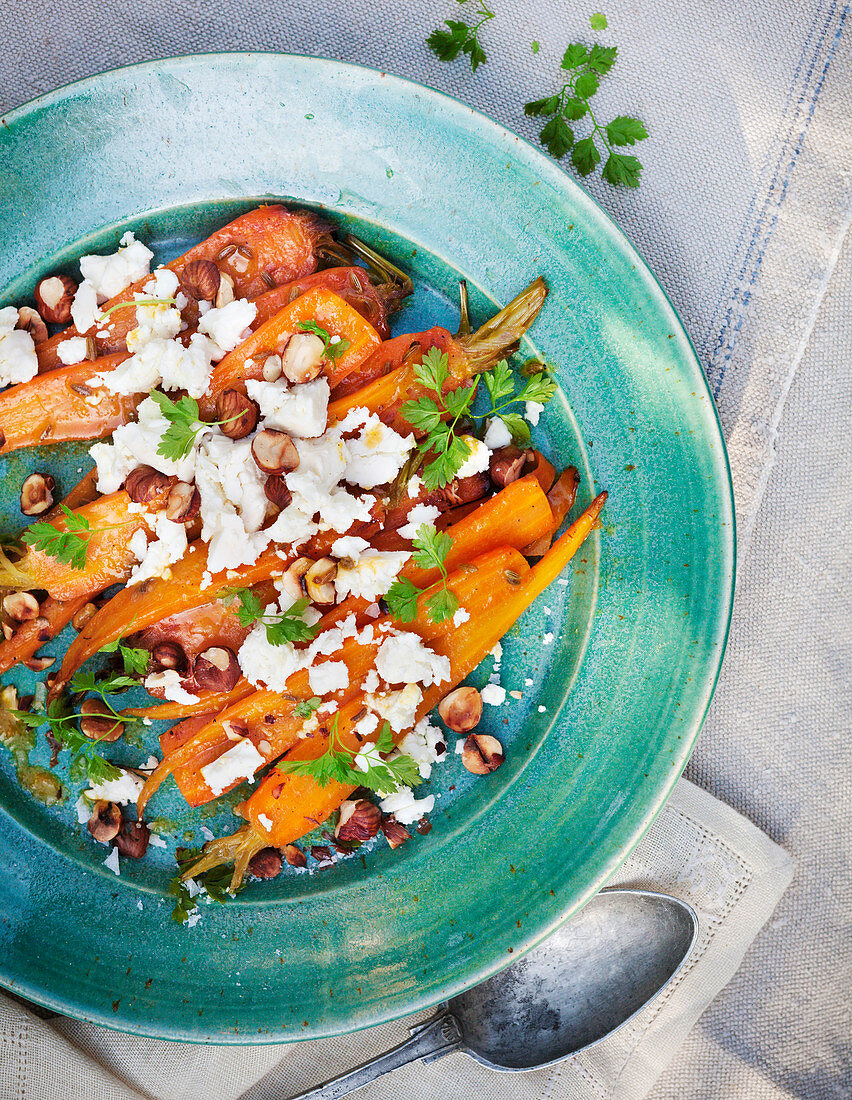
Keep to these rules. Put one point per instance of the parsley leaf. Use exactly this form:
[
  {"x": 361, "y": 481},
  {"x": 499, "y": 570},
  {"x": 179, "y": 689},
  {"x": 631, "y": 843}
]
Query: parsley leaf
[
  {"x": 585, "y": 67},
  {"x": 426, "y": 415},
  {"x": 333, "y": 346},
  {"x": 431, "y": 550},
  {"x": 433, "y": 370},
  {"x": 67, "y": 546},
  {"x": 289, "y": 626},
  {"x": 135, "y": 661},
  {"x": 401, "y": 599},
  {"x": 184, "y": 425},
  {"x": 459, "y": 38},
  {"x": 86, "y": 761},
  {"x": 215, "y": 883},
  {"x": 597, "y": 21},
  {"x": 306, "y": 707}
]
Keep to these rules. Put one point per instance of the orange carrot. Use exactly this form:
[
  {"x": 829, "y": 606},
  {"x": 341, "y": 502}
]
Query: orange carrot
[
  {"x": 408, "y": 349},
  {"x": 350, "y": 283},
  {"x": 53, "y": 615},
  {"x": 561, "y": 499}
]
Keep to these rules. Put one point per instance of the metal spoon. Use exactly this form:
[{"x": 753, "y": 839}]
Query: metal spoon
[{"x": 578, "y": 986}]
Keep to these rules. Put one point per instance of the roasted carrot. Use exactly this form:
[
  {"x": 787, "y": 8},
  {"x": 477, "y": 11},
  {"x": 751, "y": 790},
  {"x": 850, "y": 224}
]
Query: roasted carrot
[
  {"x": 374, "y": 303},
  {"x": 400, "y": 351},
  {"x": 53, "y": 615},
  {"x": 561, "y": 499},
  {"x": 261, "y": 248}
]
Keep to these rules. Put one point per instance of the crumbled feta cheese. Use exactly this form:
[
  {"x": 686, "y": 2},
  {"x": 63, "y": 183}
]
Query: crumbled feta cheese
[
  {"x": 73, "y": 350},
  {"x": 377, "y": 454},
  {"x": 169, "y": 682},
  {"x": 461, "y": 616},
  {"x": 528, "y": 682},
  {"x": 269, "y": 665},
  {"x": 413, "y": 487},
  {"x": 163, "y": 362},
  {"x": 350, "y": 546},
  {"x": 497, "y": 652},
  {"x": 460, "y": 746},
  {"x": 301, "y": 411},
  {"x": 265, "y": 821},
  {"x": 233, "y": 502},
  {"x": 327, "y": 677},
  {"x": 533, "y": 411},
  {"x": 477, "y": 460},
  {"x": 18, "y": 362},
  {"x": 494, "y": 695},
  {"x": 84, "y": 308},
  {"x": 371, "y": 681},
  {"x": 405, "y": 807},
  {"x": 419, "y": 514},
  {"x": 158, "y": 842},
  {"x": 111, "y": 861},
  {"x": 497, "y": 435},
  {"x": 239, "y": 762},
  {"x": 547, "y": 611},
  {"x": 122, "y": 790},
  {"x": 227, "y": 325},
  {"x": 403, "y": 658},
  {"x": 136, "y": 444},
  {"x": 154, "y": 322},
  {"x": 163, "y": 283},
  {"x": 167, "y": 547},
  {"x": 109, "y": 275},
  {"x": 547, "y": 639},
  {"x": 398, "y": 708},
  {"x": 541, "y": 710},
  {"x": 292, "y": 526},
  {"x": 84, "y": 810},
  {"x": 371, "y": 575},
  {"x": 425, "y": 744}
]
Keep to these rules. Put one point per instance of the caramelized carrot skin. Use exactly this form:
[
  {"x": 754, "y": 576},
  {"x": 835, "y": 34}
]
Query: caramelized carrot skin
[
  {"x": 53, "y": 616},
  {"x": 349, "y": 283}
]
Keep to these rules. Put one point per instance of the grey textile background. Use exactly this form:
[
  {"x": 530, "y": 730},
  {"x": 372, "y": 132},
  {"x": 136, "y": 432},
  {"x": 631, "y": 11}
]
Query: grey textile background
[{"x": 742, "y": 214}]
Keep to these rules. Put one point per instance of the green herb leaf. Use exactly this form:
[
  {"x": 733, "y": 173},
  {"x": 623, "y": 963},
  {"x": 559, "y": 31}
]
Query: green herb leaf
[
  {"x": 442, "y": 605},
  {"x": 602, "y": 58},
  {"x": 333, "y": 347},
  {"x": 586, "y": 84},
  {"x": 537, "y": 107},
  {"x": 625, "y": 131},
  {"x": 401, "y": 600},
  {"x": 622, "y": 170},
  {"x": 520, "y": 429},
  {"x": 423, "y": 414},
  {"x": 459, "y": 38},
  {"x": 289, "y": 626},
  {"x": 184, "y": 425},
  {"x": 597, "y": 21},
  {"x": 534, "y": 46},
  {"x": 67, "y": 546},
  {"x": 431, "y": 547},
  {"x": 557, "y": 137},
  {"x": 499, "y": 381},
  {"x": 433, "y": 371},
  {"x": 575, "y": 56},
  {"x": 539, "y": 388},
  {"x": 306, "y": 707}
]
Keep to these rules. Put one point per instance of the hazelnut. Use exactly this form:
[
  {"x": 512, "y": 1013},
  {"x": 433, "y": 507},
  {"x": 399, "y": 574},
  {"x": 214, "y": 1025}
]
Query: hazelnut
[
  {"x": 461, "y": 709},
  {"x": 170, "y": 655},
  {"x": 200, "y": 280},
  {"x": 30, "y": 321},
  {"x": 145, "y": 485},
  {"x": 183, "y": 503},
  {"x": 482, "y": 753},
  {"x": 395, "y": 834},
  {"x": 39, "y": 664},
  {"x": 236, "y": 413},
  {"x": 225, "y": 293},
  {"x": 274, "y": 452},
  {"x": 105, "y": 821},
  {"x": 319, "y": 581},
  {"x": 322, "y": 855},
  {"x": 276, "y": 491},
  {"x": 265, "y": 864},
  {"x": 293, "y": 581},
  {"x": 358, "y": 820},
  {"x": 463, "y": 490},
  {"x": 216, "y": 669},
  {"x": 37, "y": 494},
  {"x": 45, "y": 630},
  {"x": 54, "y": 297},
  {"x": 272, "y": 368},
  {"x": 295, "y": 856},
  {"x": 21, "y": 607},
  {"x": 132, "y": 839},
  {"x": 8, "y": 631},
  {"x": 98, "y": 723},
  {"x": 84, "y": 616},
  {"x": 507, "y": 465},
  {"x": 301, "y": 360}
]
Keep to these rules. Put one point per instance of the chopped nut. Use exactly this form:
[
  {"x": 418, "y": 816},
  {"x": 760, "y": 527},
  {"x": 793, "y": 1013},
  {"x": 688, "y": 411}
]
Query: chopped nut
[
  {"x": 265, "y": 864},
  {"x": 236, "y": 413},
  {"x": 145, "y": 485},
  {"x": 319, "y": 581},
  {"x": 184, "y": 502},
  {"x": 301, "y": 360},
  {"x": 225, "y": 293},
  {"x": 358, "y": 820},
  {"x": 170, "y": 655},
  {"x": 105, "y": 821},
  {"x": 464, "y": 490},
  {"x": 132, "y": 839},
  {"x": 30, "y": 321},
  {"x": 295, "y": 856},
  {"x": 461, "y": 709},
  {"x": 395, "y": 834},
  {"x": 507, "y": 465},
  {"x": 216, "y": 669},
  {"x": 274, "y": 452},
  {"x": 98, "y": 723},
  {"x": 45, "y": 630},
  {"x": 37, "y": 494},
  {"x": 39, "y": 664},
  {"x": 200, "y": 280},
  {"x": 21, "y": 607},
  {"x": 54, "y": 297},
  {"x": 293, "y": 582},
  {"x": 482, "y": 753},
  {"x": 84, "y": 616},
  {"x": 272, "y": 368},
  {"x": 277, "y": 492},
  {"x": 322, "y": 855}
]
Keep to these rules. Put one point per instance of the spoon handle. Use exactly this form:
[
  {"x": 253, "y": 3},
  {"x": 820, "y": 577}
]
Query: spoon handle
[{"x": 438, "y": 1036}]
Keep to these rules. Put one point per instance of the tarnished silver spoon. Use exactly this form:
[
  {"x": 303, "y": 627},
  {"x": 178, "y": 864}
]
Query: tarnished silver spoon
[{"x": 578, "y": 986}]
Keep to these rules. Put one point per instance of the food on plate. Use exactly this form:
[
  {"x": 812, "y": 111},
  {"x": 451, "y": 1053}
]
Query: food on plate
[{"x": 301, "y": 535}]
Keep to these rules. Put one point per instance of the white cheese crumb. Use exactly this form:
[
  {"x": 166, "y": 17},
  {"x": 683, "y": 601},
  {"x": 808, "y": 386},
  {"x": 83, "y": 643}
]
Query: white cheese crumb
[
  {"x": 109, "y": 275},
  {"x": 167, "y": 547},
  {"x": 327, "y": 677},
  {"x": 122, "y": 790},
  {"x": 426, "y": 745},
  {"x": 415, "y": 484},
  {"x": 226, "y": 326},
  {"x": 547, "y": 639},
  {"x": 241, "y": 761},
  {"x": 169, "y": 682},
  {"x": 497, "y": 652},
  {"x": 406, "y": 808},
  {"x": 111, "y": 861},
  {"x": 528, "y": 682},
  {"x": 371, "y": 682},
  {"x": 533, "y": 412},
  {"x": 371, "y": 575},
  {"x": 541, "y": 710},
  {"x": 377, "y": 454},
  {"x": 84, "y": 810},
  {"x": 350, "y": 546},
  {"x": 419, "y": 514},
  {"x": 403, "y": 658},
  {"x": 301, "y": 411},
  {"x": 18, "y": 362},
  {"x": 461, "y": 616},
  {"x": 478, "y": 459},
  {"x": 73, "y": 350},
  {"x": 157, "y": 841},
  {"x": 547, "y": 611},
  {"x": 398, "y": 708},
  {"x": 494, "y": 695},
  {"x": 84, "y": 309},
  {"x": 497, "y": 435},
  {"x": 265, "y": 821}
]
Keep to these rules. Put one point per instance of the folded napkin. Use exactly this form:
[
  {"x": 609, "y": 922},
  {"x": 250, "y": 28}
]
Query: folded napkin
[{"x": 697, "y": 849}]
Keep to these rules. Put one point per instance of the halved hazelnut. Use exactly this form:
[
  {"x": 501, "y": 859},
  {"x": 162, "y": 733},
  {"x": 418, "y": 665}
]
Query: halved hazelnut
[
  {"x": 54, "y": 297},
  {"x": 236, "y": 413},
  {"x": 461, "y": 709},
  {"x": 463, "y": 490},
  {"x": 98, "y": 723},
  {"x": 39, "y": 664},
  {"x": 200, "y": 280},
  {"x": 322, "y": 854},
  {"x": 21, "y": 607},
  {"x": 84, "y": 616},
  {"x": 482, "y": 753},
  {"x": 45, "y": 630},
  {"x": 216, "y": 669},
  {"x": 169, "y": 655},
  {"x": 145, "y": 485},
  {"x": 272, "y": 368},
  {"x": 301, "y": 360},
  {"x": 507, "y": 465},
  {"x": 295, "y": 856},
  {"x": 37, "y": 494},
  {"x": 132, "y": 839},
  {"x": 184, "y": 502},
  {"x": 274, "y": 452},
  {"x": 105, "y": 821},
  {"x": 395, "y": 834},
  {"x": 277, "y": 492},
  {"x": 293, "y": 582},
  {"x": 319, "y": 581},
  {"x": 358, "y": 820},
  {"x": 225, "y": 293},
  {"x": 265, "y": 864},
  {"x": 30, "y": 321}
]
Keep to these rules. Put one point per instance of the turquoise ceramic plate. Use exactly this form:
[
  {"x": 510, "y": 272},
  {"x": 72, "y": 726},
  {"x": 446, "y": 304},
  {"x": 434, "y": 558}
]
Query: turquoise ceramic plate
[{"x": 611, "y": 706}]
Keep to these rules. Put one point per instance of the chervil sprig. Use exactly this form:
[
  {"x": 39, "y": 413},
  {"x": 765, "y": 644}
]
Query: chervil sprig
[
  {"x": 500, "y": 383},
  {"x": 586, "y": 66},
  {"x": 306, "y": 707},
  {"x": 215, "y": 883},
  {"x": 69, "y": 546},
  {"x": 135, "y": 661},
  {"x": 333, "y": 346},
  {"x": 336, "y": 765},
  {"x": 289, "y": 626},
  {"x": 460, "y": 38},
  {"x": 431, "y": 549},
  {"x": 185, "y": 423}
]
